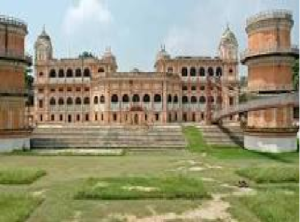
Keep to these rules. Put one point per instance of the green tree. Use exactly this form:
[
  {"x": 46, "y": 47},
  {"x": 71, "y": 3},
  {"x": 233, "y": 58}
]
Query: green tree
[
  {"x": 28, "y": 78},
  {"x": 86, "y": 54},
  {"x": 296, "y": 75}
]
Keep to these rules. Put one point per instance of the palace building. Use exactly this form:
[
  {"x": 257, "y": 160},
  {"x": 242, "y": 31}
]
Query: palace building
[{"x": 91, "y": 90}]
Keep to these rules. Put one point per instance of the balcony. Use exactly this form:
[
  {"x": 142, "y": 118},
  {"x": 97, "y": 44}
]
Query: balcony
[{"x": 293, "y": 51}]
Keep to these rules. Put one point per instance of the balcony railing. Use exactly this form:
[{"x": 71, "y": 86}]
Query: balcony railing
[
  {"x": 12, "y": 21},
  {"x": 265, "y": 51},
  {"x": 270, "y": 14},
  {"x": 16, "y": 56}
]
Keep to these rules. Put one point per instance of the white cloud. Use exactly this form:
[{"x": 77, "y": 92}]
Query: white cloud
[{"x": 85, "y": 14}]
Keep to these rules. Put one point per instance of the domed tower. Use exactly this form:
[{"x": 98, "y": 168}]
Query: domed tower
[
  {"x": 228, "y": 48},
  {"x": 109, "y": 58},
  {"x": 161, "y": 56},
  {"x": 270, "y": 57},
  {"x": 43, "y": 47},
  {"x": 228, "y": 52}
]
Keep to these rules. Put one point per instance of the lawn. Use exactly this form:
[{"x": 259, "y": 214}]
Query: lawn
[
  {"x": 19, "y": 176},
  {"x": 134, "y": 188},
  {"x": 271, "y": 174},
  {"x": 205, "y": 170},
  {"x": 16, "y": 208}
]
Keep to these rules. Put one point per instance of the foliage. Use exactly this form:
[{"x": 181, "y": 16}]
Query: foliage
[
  {"x": 28, "y": 78},
  {"x": 296, "y": 75},
  {"x": 20, "y": 176},
  {"x": 128, "y": 188},
  {"x": 271, "y": 174},
  {"x": 85, "y": 55},
  {"x": 16, "y": 208}
]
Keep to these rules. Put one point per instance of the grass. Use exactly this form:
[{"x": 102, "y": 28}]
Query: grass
[
  {"x": 274, "y": 174},
  {"x": 16, "y": 208},
  {"x": 20, "y": 176},
  {"x": 195, "y": 139},
  {"x": 267, "y": 206},
  {"x": 129, "y": 188}
]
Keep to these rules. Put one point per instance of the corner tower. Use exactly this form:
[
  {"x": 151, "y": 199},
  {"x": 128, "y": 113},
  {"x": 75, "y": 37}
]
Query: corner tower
[
  {"x": 43, "y": 47},
  {"x": 270, "y": 57}
]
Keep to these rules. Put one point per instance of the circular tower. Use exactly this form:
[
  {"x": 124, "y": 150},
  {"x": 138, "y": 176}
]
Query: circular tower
[
  {"x": 270, "y": 57},
  {"x": 13, "y": 63}
]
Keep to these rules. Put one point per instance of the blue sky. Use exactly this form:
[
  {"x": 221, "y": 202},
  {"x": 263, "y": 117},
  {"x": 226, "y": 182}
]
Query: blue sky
[{"x": 135, "y": 29}]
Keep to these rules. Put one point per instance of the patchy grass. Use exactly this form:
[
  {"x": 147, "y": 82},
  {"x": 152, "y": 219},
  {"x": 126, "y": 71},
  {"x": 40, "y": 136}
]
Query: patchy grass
[
  {"x": 16, "y": 208},
  {"x": 70, "y": 152},
  {"x": 20, "y": 176},
  {"x": 271, "y": 205},
  {"x": 195, "y": 139},
  {"x": 275, "y": 174},
  {"x": 143, "y": 188}
]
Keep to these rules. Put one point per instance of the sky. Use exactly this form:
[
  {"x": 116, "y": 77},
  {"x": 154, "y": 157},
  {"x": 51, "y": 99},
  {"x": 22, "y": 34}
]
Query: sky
[{"x": 136, "y": 29}]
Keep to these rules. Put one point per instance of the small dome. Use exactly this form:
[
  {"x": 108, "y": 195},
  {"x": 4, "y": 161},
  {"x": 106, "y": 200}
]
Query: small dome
[
  {"x": 228, "y": 37},
  {"x": 162, "y": 54},
  {"x": 44, "y": 35},
  {"x": 108, "y": 54}
]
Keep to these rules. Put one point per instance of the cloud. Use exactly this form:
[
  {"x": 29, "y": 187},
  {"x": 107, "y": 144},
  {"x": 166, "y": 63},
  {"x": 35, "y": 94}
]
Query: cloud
[{"x": 86, "y": 14}]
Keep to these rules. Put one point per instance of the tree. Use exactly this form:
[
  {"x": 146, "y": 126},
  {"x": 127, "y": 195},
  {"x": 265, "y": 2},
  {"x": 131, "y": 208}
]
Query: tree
[
  {"x": 86, "y": 54},
  {"x": 296, "y": 75},
  {"x": 28, "y": 78}
]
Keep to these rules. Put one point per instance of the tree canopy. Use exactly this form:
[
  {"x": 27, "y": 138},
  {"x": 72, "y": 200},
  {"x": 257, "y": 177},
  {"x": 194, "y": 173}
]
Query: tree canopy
[
  {"x": 86, "y": 54},
  {"x": 296, "y": 75}
]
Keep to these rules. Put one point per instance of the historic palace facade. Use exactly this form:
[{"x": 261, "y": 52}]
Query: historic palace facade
[{"x": 90, "y": 90}]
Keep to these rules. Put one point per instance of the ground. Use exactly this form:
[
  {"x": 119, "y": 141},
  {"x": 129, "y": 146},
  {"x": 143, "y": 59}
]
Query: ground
[{"x": 216, "y": 167}]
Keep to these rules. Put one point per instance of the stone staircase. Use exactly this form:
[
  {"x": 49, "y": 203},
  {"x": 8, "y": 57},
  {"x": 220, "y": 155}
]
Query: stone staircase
[
  {"x": 61, "y": 137},
  {"x": 223, "y": 135}
]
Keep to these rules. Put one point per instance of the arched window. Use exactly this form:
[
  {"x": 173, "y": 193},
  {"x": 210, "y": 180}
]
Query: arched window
[
  {"x": 69, "y": 73},
  {"x": 194, "y": 88},
  {"x": 193, "y": 72},
  {"x": 136, "y": 98},
  {"x": 211, "y": 99},
  {"x": 102, "y": 99},
  {"x": 52, "y": 73},
  {"x": 69, "y": 101},
  {"x": 202, "y": 88},
  {"x": 61, "y": 101},
  {"x": 146, "y": 98},
  {"x": 185, "y": 99},
  {"x": 86, "y": 101},
  {"x": 96, "y": 100},
  {"x": 202, "y": 72},
  {"x": 169, "y": 99},
  {"x": 78, "y": 101},
  {"x": 78, "y": 73},
  {"x": 86, "y": 72},
  {"x": 202, "y": 100},
  {"x": 125, "y": 98},
  {"x": 219, "y": 72},
  {"x": 52, "y": 102},
  {"x": 61, "y": 73},
  {"x": 184, "y": 88},
  {"x": 114, "y": 98},
  {"x": 184, "y": 71},
  {"x": 193, "y": 99},
  {"x": 210, "y": 71},
  {"x": 157, "y": 98},
  {"x": 101, "y": 69},
  {"x": 175, "y": 99}
]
